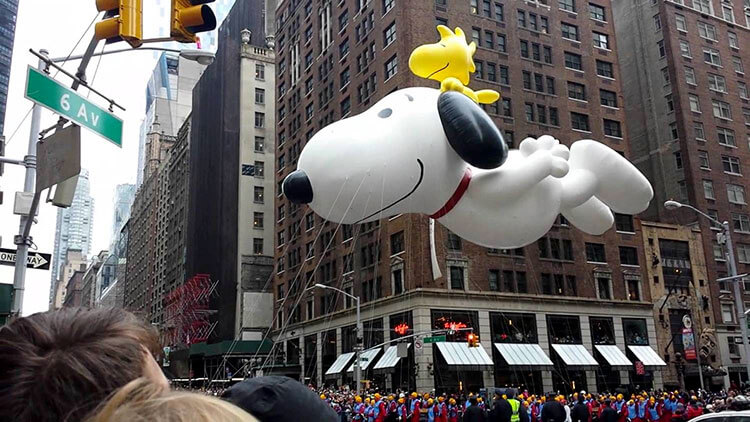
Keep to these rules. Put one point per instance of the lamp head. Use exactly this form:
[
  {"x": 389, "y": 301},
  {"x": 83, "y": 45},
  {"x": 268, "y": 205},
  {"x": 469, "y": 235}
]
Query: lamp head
[
  {"x": 672, "y": 205},
  {"x": 203, "y": 57}
]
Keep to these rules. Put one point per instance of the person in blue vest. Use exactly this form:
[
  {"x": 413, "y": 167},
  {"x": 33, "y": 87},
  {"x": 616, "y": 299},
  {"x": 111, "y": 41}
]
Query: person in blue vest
[
  {"x": 654, "y": 410},
  {"x": 633, "y": 410},
  {"x": 643, "y": 408},
  {"x": 468, "y": 401},
  {"x": 431, "y": 410},
  {"x": 358, "y": 410}
]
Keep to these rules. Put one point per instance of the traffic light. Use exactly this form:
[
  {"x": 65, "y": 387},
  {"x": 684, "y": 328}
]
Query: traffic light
[
  {"x": 473, "y": 340},
  {"x": 123, "y": 21},
  {"x": 190, "y": 17}
]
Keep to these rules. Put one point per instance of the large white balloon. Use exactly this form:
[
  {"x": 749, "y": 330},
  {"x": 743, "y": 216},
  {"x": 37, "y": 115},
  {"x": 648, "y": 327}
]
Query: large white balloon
[{"x": 420, "y": 151}]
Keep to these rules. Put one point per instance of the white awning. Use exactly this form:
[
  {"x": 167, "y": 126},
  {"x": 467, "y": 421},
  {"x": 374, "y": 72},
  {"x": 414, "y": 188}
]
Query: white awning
[
  {"x": 614, "y": 356},
  {"x": 647, "y": 355},
  {"x": 366, "y": 359},
  {"x": 460, "y": 354},
  {"x": 528, "y": 355},
  {"x": 390, "y": 358},
  {"x": 340, "y": 364},
  {"x": 574, "y": 355}
]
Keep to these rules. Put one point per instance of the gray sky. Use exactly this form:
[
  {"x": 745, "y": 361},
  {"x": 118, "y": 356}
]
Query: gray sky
[{"x": 56, "y": 25}]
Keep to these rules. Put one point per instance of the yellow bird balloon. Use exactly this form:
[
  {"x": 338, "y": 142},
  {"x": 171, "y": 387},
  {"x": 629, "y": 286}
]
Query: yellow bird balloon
[{"x": 450, "y": 61}]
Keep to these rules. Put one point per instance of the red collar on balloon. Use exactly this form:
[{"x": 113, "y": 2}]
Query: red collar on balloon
[{"x": 457, "y": 195}]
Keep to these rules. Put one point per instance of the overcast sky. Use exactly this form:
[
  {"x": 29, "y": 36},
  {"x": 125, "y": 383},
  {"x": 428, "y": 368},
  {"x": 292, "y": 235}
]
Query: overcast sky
[{"x": 56, "y": 25}]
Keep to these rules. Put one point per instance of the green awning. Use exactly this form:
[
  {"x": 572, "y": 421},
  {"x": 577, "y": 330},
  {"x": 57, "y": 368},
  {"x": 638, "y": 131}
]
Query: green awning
[{"x": 239, "y": 348}]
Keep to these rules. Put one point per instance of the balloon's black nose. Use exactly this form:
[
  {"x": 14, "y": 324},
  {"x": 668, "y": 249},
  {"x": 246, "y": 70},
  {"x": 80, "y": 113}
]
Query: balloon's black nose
[{"x": 297, "y": 188}]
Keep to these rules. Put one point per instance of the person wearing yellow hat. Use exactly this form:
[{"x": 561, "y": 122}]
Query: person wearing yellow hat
[
  {"x": 452, "y": 410},
  {"x": 415, "y": 405},
  {"x": 322, "y": 396},
  {"x": 432, "y": 410},
  {"x": 358, "y": 410},
  {"x": 621, "y": 408},
  {"x": 402, "y": 412},
  {"x": 392, "y": 404},
  {"x": 379, "y": 411}
]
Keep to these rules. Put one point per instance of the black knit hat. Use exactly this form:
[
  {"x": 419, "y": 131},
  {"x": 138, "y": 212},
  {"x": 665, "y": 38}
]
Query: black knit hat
[{"x": 279, "y": 399}]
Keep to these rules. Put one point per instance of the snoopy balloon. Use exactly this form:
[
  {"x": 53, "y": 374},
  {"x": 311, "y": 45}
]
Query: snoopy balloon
[{"x": 420, "y": 150}]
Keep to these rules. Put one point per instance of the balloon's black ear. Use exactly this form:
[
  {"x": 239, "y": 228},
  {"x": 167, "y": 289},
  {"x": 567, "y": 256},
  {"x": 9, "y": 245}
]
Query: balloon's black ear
[{"x": 470, "y": 131}]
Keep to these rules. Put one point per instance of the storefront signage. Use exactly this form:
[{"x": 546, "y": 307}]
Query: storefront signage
[
  {"x": 401, "y": 329},
  {"x": 688, "y": 342}
]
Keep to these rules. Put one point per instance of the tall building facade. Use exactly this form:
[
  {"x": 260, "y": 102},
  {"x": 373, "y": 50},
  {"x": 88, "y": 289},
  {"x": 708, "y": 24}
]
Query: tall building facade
[
  {"x": 169, "y": 95},
  {"x": 124, "y": 195},
  {"x": 230, "y": 214},
  {"x": 534, "y": 308},
  {"x": 8, "y": 13},
  {"x": 688, "y": 109},
  {"x": 73, "y": 229}
]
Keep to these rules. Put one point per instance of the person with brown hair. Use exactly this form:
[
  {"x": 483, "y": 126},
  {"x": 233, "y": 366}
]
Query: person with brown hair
[
  {"x": 59, "y": 365},
  {"x": 141, "y": 400}
]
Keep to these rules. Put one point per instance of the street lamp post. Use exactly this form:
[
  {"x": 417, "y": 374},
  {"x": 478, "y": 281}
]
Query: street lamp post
[
  {"x": 732, "y": 267},
  {"x": 203, "y": 57},
  {"x": 358, "y": 346}
]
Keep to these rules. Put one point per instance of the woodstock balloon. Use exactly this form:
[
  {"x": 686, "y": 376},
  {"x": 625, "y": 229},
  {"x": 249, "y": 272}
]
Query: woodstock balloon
[{"x": 436, "y": 152}]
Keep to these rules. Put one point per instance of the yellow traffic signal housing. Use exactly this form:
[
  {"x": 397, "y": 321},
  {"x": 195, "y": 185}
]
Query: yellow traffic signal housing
[
  {"x": 473, "y": 340},
  {"x": 190, "y": 17},
  {"x": 123, "y": 21}
]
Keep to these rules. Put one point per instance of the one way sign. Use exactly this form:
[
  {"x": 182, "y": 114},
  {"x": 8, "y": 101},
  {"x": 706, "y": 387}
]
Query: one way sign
[{"x": 35, "y": 260}]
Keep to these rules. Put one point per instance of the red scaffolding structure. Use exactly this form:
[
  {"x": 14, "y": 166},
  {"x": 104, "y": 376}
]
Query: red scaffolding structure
[{"x": 188, "y": 312}]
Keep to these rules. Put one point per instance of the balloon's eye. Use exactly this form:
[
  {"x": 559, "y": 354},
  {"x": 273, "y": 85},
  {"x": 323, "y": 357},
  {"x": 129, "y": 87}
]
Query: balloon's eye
[{"x": 385, "y": 113}]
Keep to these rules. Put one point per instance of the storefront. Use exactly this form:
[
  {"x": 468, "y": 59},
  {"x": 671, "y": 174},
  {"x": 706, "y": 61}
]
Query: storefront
[
  {"x": 570, "y": 357},
  {"x": 645, "y": 359},
  {"x": 456, "y": 366},
  {"x": 608, "y": 354},
  {"x": 519, "y": 360}
]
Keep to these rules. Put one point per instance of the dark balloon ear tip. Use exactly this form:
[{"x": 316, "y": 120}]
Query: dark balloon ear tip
[{"x": 470, "y": 131}]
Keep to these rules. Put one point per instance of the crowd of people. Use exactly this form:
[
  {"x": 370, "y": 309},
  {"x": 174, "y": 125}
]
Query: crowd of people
[
  {"x": 514, "y": 406},
  {"x": 98, "y": 366}
]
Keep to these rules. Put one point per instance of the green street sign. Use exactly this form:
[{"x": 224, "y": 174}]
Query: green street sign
[
  {"x": 434, "y": 339},
  {"x": 51, "y": 94}
]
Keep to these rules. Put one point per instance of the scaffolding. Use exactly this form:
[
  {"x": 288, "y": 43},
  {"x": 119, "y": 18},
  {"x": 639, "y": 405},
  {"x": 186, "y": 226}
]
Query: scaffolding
[{"x": 188, "y": 313}]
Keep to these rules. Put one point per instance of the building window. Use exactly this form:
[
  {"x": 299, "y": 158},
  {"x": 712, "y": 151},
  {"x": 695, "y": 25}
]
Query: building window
[
  {"x": 597, "y": 12},
  {"x": 742, "y": 89},
  {"x": 389, "y": 35},
  {"x": 521, "y": 19},
  {"x": 727, "y": 13},
  {"x": 260, "y": 72},
  {"x": 258, "y": 196},
  {"x": 504, "y": 75},
  {"x": 743, "y": 254},
  {"x": 726, "y": 137},
  {"x": 499, "y": 12},
  {"x": 721, "y": 109},
  {"x": 280, "y": 238},
  {"x": 391, "y": 67},
  {"x": 634, "y": 289},
  {"x": 741, "y": 222},
  {"x": 727, "y": 313},
  {"x": 685, "y": 49},
  {"x": 690, "y": 75},
  {"x": 260, "y": 119},
  {"x": 731, "y": 164},
  {"x": 717, "y": 83},
  {"x": 570, "y": 31},
  {"x": 612, "y": 128},
  {"x": 708, "y": 189},
  {"x": 457, "y": 277},
  {"x": 579, "y": 121},
  {"x": 573, "y": 61},
  {"x": 397, "y": 243},
  {"x": 695, "y": 104},
  {"x": 733, "y": 40},
  {"x": 628, "y": 255},
  {"x": 567, "y": 5},
  {"x": 607, "y": 98},
  {"x": 260, "y": 169},
  {"x": 604, "y": 287},
  {"x": 258, "y": 220},
  {"x": 397, "y": 277},
  {"x": 703, "y": 160},
  {"x": 605, "y": 69},
  {"x": 624, "y": 223},
  {"x": 601, "y": 40},
  {"x": 576, "y": 91},
  {"x": 738, "y": 67},
  {"x": 698, "y": 131},
  {"x": 707, "y": 31},
  {"x": 258, "y": 246},
  {"x": 736, "y": 194},
  {"x": 635, "y": 332},
  {"x": 507, "y": 109},
  {"x": 260, "y": 144},
  {"x": 346, "y": 106},
  {"x": 563, "y": 329},
  {"x": 595, "y": 253},
  {"x": 657, "y": 22},
  {"x": 680, "y": 22},
  {"x": 711, "y": 56}
]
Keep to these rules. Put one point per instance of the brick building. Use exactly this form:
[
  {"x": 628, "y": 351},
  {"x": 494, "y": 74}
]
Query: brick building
[
  {"x": 688, "y": 106},
  {"x": 573, "y": 307}
]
